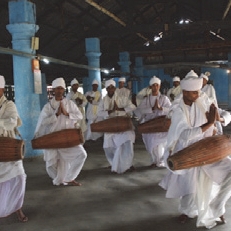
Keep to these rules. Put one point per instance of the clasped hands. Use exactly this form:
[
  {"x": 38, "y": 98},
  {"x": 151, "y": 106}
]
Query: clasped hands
[
  {"x": 79, "y": 101},
  {"x": 212, "y": 115},
  {"x": 157, "y": 106},
  {"x": 61, "y": 110}
]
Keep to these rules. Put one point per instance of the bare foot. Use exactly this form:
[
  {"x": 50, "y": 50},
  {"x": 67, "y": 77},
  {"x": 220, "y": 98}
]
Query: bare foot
[
  {"x": 182, "y": 218},
  {"x": 223, "y": 220},
  {"x": 21, "y": 216},
  {"x": 73, "y": 183}
]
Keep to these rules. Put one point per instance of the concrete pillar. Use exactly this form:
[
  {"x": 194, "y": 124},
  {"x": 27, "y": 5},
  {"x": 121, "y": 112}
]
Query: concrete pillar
[
  {"x": 93, "y": 55},
  {"x": 124, "y": 62},
  {"x": 229, "y": 83},
  {"x": 139, "y": 72},
  {"x": 22, "y": 27},
  {"x": 43, "y": 97}
]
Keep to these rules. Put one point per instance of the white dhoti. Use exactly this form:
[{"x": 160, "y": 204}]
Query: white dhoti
[
  {"x": 119, "y": 150},
  {"x": 64, "y": 165},
  {"x": 12, "y": 194}
]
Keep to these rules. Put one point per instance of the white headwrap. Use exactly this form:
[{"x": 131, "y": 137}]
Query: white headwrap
[
  {"x": 204, "y": 76},
  {"x": 191, "y": 82},
  {"x": 2, "y": 81},
  {"x": 95, "y": 82},
  {"x": 74, "y": 81},
  {"x": 110, "y": 82},
  {"x": 59, "y": 82},
  {"x": 122, "y": 79},
  {"x": 176, "y": 79},
  {"x": 153, "y": 80}
]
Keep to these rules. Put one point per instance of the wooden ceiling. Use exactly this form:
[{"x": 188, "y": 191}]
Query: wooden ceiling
[{"x": 125, "y": 25}]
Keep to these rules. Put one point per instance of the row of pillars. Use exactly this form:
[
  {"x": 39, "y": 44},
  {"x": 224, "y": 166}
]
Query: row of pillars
[{"x": 22, "y": 27}]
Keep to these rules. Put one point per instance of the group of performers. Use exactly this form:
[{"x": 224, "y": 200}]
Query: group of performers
[{"x": 194, "y": 114}]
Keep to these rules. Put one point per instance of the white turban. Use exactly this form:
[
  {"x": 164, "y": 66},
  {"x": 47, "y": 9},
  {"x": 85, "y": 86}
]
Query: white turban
[
  {"x": 2, "y": 81},
  {"x": 191, "y": 82},
  {"x": 110, "y": 82},
  {"x": 176, "y": 79},
  {"x": 153, "y": 80},
  {"x": 122, "y": 79},
  {"x": 59, "y": 82},
  {"x": 95, "y": 82},
  {"x": 74, "y": 81},
  {"x": 204, "y": 76},
  {"x": 191, "y": 74}
]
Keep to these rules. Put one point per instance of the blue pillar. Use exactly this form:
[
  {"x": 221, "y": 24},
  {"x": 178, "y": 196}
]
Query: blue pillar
[
  {"x": 124, "y": 62},
  {"x": 43, "y": 97},
  {"x": 22, "y": 27},
  {"x": 229, "y": 81},
  {"x": 139, "y": 72},
  {"x": 93, "y": 55}
]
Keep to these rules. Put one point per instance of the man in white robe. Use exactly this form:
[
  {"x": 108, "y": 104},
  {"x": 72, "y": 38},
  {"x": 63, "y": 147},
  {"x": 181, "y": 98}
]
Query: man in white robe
[
  {"x": 63, "y": 165},
  {"x": 118, "y": 147},
  {"x": 93, "y": 97},
  {"x": 175, "y": 90},
  {"x": 153, "y": 106},
  {"x": 142, "y": 94},
  {"x": 80, "y": 100},
  {"x": 12, "y": 174},
  {"x": 208, "y": 88},
  {"x": 121, "y": 90},
  {"x": 203, "y": 191}
]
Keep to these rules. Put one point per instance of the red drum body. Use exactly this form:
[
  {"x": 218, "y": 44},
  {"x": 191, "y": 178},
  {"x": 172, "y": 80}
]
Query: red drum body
[
  {"x": 159, "y": 124},
  {"x": 113, "y": 125},
  {"x": 11, "y": 149},
  {"x": 65, "y": 138},
  {"x": 206, "y": 151}
]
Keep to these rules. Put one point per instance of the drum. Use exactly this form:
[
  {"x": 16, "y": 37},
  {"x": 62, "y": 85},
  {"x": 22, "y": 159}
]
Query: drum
[
  {"x": 158, "y": 124},
  {"x": 65, "y": 138},
  {"x": 205, "y": 151},
  {"x": 113, "y": 125},
  {"x": 11, "y": 149}
]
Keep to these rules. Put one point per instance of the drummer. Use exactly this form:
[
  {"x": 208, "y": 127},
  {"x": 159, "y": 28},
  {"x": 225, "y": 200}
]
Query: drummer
[
  {"x": 153, "y": 106},
  {"x": 12, "y": 174},
  {"x": 191, "y": 121},
  {"x": 118, "y": 147},
  {"x": 62, "y": 165}
]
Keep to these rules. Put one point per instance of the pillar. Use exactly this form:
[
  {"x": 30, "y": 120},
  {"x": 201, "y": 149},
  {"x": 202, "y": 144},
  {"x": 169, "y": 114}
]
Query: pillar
[
  {"x": 93, "y": 55},
  {"x": 124, "y": 62},
  {"x": 43, "y": 97},
  {"x": 139, "y": 69},
  {"x": 22, "y": 27}
]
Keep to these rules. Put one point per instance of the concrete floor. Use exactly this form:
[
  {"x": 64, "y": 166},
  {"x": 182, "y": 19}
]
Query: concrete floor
[{"x": 105, "y": 202}]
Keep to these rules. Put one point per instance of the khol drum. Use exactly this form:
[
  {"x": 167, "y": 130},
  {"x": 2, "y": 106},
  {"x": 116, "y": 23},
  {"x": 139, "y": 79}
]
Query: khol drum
[
  {"x": 11, "y": 149},
  {"x": 65, "y": 138},
  {"x": 206, "y": 151},
  {"x": 158, "y": 124},
  {"x": 113, "y": 125}
]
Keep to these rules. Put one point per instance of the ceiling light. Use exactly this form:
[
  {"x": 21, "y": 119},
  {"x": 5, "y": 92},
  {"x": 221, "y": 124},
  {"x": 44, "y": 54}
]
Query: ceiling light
[{"x": 46, "y": 61}]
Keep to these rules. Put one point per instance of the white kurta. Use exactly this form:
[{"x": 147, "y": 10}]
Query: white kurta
[
  {"x": 210, "y": 92},
  {"x": 175, "y": 91},
  {"x": 64, "y": 164},
  {"x": 92, "y": 111},
  {"x": 123, "y": 92},
  {"x": 118, "y": 147},
  {"x": 154, "y": 142},
  {"x": 73, "y": 96},
  {"x": 196, "y": 186},
  {"x": 142, "y": 94},
  {"x": 12, "y": 174}
]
